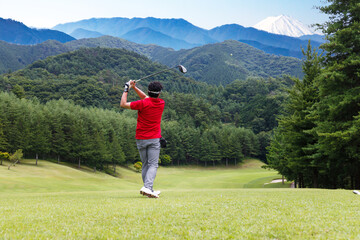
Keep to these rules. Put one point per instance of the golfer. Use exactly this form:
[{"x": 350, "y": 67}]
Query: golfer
[{"x": 148, "y": 131}]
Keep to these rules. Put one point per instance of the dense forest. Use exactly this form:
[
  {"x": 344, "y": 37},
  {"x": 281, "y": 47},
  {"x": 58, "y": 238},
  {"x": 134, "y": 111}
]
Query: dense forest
[
  {"x": 317, "y": 141},
  {"x": 93, "y": 78},
  {"x": 98, "y": 138}
]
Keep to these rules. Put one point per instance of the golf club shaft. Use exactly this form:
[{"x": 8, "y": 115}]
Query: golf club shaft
[{"x": 154, "y": 74}]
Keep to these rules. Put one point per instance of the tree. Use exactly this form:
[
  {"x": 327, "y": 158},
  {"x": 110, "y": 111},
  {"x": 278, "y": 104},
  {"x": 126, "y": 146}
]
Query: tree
[
  {"x": 230, "y": 144},
  {"x": 117, "y": 154},
  {"x": 277, "y": 155},
  {"x": 59, "y": 127},
  {"x": 3, "y": 140},
  {"x": 40, "y": 133},
  {"x": 18, "y": 91},
  {"x": 4, "y": 156},
  {"x": 297, "y": 160},
  {"x": 16, "y": 157},
  {"x": 264, "y": 141},
  {"x": 339, "y": 90},
  {"x": 236, "y": 145},
  {"x": 190, "y": 143},
  {"x": 209, "y": 148},
  {"x": 172, "y": 131}
]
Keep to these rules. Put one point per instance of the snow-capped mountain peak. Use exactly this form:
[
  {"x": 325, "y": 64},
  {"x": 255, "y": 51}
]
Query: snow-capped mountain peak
[{"x": 284, "y": 25}]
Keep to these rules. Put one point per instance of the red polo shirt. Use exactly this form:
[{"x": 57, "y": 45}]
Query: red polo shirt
[{"x": 149, "y": 117}]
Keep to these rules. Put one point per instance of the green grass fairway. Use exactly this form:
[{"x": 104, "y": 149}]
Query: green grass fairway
[
  {"x": 51, "y": 201},
  {"x": 52, "y": 177}
]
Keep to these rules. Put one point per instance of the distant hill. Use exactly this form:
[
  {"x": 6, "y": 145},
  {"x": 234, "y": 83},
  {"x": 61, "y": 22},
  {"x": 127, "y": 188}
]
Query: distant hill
[
  {"x": 274, "y": 50},
  {"x": 314, "y": 37},
  {"x": 118, "y": 27},
  {"x": 14, "y": 57},
  {"x": 16, "y": 32},
  {"x": 114, "y": 42},
  {"x": 149, "y": 36},
  {"x": 222, "y": 63},
  {"x": 181, "y": 30},
  {"x": 83, "y": 33}
]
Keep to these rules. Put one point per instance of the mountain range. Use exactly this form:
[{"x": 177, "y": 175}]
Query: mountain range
[
  {"x": 217, "y": 56},
  {"x": 16, "y": 32},
  {"x": 180, "y": 34},
  {"x": 169, "y": 33},
  {"x": 217, "y": 63}
]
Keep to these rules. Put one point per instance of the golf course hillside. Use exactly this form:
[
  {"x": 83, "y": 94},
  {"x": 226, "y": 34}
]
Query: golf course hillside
[{"x": 52, "y": 177}]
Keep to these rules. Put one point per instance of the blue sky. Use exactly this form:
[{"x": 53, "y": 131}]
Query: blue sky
[{"x": 202, "y": 13}]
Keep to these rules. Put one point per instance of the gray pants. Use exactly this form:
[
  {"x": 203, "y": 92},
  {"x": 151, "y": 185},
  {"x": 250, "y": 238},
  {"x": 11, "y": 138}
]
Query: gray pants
[{"x": 149, "y": 150}]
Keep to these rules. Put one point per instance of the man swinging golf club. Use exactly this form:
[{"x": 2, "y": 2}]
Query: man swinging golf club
[{"x": 148, "y": 131}]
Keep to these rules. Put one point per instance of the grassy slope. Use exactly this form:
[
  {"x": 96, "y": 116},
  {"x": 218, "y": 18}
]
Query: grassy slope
[
  {"x": 51, "y": 177},
  {"x": 249, "y": 175},
  {"x": 113, "y": 209}
]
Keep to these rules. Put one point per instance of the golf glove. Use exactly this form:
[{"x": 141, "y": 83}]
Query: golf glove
[
  {"x": 163, "y": 142},
  {"x": 127, "y": 86}
]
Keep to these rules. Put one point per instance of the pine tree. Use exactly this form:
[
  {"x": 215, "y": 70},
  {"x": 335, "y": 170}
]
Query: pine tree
[
  {"x": 339, "y": 85},
  {"x": 59, "y": 125},
  {"x": 293, "y": 148},
  {"x": 39, "y": 132},
  {"x": 3, "y": 140},
  {"x": 117, "y": 154}
]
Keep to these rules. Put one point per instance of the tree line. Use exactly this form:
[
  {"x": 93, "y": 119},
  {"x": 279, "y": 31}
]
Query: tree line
[
  {"x": 102, "y": 139},
  {"x": 317, "y": 141}
]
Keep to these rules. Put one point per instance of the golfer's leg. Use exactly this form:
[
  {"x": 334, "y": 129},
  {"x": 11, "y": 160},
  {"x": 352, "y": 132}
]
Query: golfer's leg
[
  {"x": 153, "y": 153},
  {"x": 141, "y": 145}
]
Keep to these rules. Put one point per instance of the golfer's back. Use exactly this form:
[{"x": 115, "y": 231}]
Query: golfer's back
[{"x": 150, "y": 111}]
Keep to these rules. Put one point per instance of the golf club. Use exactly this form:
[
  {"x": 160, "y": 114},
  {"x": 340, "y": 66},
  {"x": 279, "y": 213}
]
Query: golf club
[{"x": 180, "y": 67}]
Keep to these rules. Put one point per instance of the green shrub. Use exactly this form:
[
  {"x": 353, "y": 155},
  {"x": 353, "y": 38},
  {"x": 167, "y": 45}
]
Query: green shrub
[
  {"x": 4, "y": 156},
  {"x": 165, "y": 159},
  {"x": 17, "y": 156},
  {"x": 138, "y": 166}
]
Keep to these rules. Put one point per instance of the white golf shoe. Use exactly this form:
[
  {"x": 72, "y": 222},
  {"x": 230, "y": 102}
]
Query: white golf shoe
[
  {"x": 356, "y": 192},
  {"x": 157, "y": 192},
  {"x": 147, "y": 192}
]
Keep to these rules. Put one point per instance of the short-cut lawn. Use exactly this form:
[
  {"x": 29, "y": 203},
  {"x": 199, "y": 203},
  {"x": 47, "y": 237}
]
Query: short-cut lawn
[{"x": 51, "y": 201}]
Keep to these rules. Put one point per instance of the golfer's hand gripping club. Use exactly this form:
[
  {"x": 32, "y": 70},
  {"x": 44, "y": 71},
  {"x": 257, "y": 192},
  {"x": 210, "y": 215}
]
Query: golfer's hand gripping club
[{"x": 127, "y": 86}]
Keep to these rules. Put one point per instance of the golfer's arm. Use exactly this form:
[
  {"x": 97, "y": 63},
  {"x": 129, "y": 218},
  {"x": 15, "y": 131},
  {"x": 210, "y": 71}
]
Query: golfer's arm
[
  {"x": 124, "y": 103},
  {"x": 141, "y": 94}
]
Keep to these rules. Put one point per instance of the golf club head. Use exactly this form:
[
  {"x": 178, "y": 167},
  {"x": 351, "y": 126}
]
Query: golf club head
[{"x": 182, "y": 69}]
